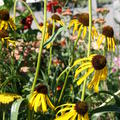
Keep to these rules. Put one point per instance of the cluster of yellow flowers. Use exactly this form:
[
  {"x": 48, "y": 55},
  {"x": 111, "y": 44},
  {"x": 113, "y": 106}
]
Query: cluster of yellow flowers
[
  {"x": 39, "y": 102},
  {"x": 94, "y": 63},
  {"x": 5, "y": 22},
  {"x": 80, "y": 23}
]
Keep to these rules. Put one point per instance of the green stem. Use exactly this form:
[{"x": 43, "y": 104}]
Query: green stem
[
  {"x": 14, "y": 12},
  {"x": 61, "y": 94},
  {"x": 57, "y": 80},
  {"x": 41, "y": 46},
  {"x": 75, "y": 44},
  {"x": 71, "y": 62},
  {"x": 50, "y": 61},
  {"x": 4, "y": 115},
  {"x": 89, "y": 43}
]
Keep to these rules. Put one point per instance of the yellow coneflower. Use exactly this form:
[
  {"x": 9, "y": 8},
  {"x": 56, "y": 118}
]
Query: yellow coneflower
[
  {"x": 6, "y": 98},
  {"x": 5, "y": 38},
  {"x": 48, "y": 34},
  {"x": 108, "y": 35},
  {"x": 6, "y": 20},
  {"x": 80, "y": 22},
  {"x": 93, "y": 63},
  {"x": 78, "y": 111},
  {"x": 57, "y": 19},
  {"x": 40, "y": 100}
]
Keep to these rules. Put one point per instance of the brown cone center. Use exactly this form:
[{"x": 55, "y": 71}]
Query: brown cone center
[
  {"x": 81, "y": 108},
  {"x": 56, "y": 17},
  {"x": 84, "y": 19},
  {"x": 4, "y": 15},
  {"x": 41, "y": 89},
  {"x": 108, "y": 31},
  {"x": 99, "y": 62}
]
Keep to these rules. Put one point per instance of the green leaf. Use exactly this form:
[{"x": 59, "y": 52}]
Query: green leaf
[
  {"x": 53, "y": 37},
  {"x": 15, "y": 109},
  {"x": 107, "y": 108},
  {"x": 117, "y": 99}
]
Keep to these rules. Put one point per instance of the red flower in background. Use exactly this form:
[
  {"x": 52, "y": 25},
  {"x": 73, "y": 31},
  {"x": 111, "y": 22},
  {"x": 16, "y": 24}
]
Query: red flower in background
[
  {"x": 27, "y": 22},
  {"x": 54, "y": 6}
]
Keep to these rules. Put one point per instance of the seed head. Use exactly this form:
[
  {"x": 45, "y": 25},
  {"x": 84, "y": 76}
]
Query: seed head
[
  {"x": 84, "y": 19},
  {"x": 108, "y": 31},
  {"x": 56, "y": 17},
  {"x": 41, "y": 89},
  {"x": 99, "y": 62},
  {"x": 81, "y": 108},
  {"x": 4, "y": 15}
]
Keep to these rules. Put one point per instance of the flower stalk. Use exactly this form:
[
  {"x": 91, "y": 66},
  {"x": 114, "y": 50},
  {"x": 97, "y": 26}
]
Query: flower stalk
[
  {"x": 50, "y": 60},
  {"x": 68, "y": 69},
  {"x": 89, "y": 43},
  {"x": 14, "y": 10},
  {"x": 41, "y": 46}
]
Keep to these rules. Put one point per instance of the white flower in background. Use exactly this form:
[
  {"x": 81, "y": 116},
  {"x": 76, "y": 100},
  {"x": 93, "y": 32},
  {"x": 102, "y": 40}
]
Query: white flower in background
[
  {"x": 1, "y": 2},
  {"x": 32, "y": 1}
]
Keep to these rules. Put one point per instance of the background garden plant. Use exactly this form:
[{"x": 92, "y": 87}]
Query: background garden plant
[{"x": 65, "y": 67}]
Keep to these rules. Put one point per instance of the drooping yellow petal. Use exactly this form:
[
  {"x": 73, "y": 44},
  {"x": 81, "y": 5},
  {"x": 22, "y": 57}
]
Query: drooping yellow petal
[
  {"x": 94, "y": 32},
  {"x": 96, "y": 86},
  {"x": 80, "y": 29},
  {"x": 2, "y": 24},
  {"x": 104, "y": 73},
  {"x": 12, "y": 24},
  {"x": 85, "y": 76},
  {"x": 79, "y": 117},
  {"x": 78, "y": 61},
  {"x": 77, "y": 72},
  {"x": 72, "y": 23},
  {"x": 44, "y": 105},
  {"x": 99, "y": 38},
  {"x": 49, "y": 103},
  {"x": 108, "y": 43},
  {"x": 67, "y": 115},
  {"x": 75, "y": 28},
  {"x": 2, "y": 39},
  {"x": 84, "y": 32},
  {"x": 73, "y": 118},
  {"x": 64, "y": 109},
  {"x": 67, "y": 104},
  {"x": 60, "y": 22},
  {"x": 95, "y": 81},
  {"x": 100, "y": 41},
  {"x": 5, "y": 25},
  {"x": 32, "y": 99},
  {"x": 85, "y": 117},
  {"x": 113, "y": 44},
  {"x": 36, "y": 105}
]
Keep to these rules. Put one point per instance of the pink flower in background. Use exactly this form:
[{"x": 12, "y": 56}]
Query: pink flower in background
[
  {"x": 24, "y": 69},
  {"x": 113, "y": 70},
  {"x": 117, "y": 61}
]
